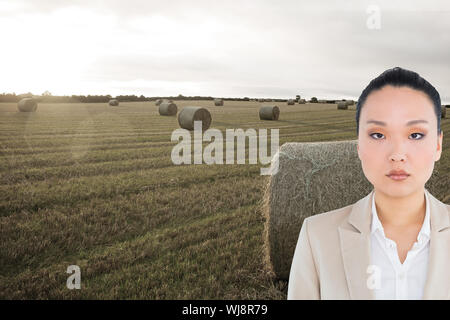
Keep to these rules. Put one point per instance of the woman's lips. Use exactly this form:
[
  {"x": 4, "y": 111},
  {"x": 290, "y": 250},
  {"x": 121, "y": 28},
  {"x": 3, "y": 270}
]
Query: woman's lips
[{"x": 398, "y": 177}]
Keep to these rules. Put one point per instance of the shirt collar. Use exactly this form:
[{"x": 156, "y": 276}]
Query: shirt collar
[{"x": 424, "y": 231}]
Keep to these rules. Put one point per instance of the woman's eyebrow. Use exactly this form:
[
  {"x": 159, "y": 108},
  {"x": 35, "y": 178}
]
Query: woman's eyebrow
[{"x": 409, "y": 123}]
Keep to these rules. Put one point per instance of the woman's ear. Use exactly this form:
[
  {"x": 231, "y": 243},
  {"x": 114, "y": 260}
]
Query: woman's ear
[{"x": 439, "y": 146}]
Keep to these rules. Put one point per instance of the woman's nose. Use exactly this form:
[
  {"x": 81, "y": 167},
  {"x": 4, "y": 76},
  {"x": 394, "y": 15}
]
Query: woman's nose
[{"x": 397, "y": 157}]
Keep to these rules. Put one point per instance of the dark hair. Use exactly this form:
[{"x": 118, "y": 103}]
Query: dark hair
[{"x": 399, "y": 77}]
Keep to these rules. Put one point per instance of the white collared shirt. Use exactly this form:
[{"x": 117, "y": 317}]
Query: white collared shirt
[{"x": 397, "y": 280}]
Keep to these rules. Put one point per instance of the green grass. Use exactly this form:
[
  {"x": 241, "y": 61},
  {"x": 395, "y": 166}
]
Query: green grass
[{"x": 94, "y": 186}]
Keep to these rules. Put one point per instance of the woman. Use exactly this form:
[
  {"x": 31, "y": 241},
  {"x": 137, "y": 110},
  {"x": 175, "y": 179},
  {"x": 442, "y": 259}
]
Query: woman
[{"x": 395, "y": 242}]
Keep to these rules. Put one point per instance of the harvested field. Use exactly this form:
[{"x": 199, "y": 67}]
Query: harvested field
[{"x": 94, "y": 186}]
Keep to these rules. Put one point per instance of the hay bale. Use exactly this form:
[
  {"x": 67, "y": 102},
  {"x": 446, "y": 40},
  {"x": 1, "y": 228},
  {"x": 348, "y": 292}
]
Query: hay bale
[
  {"x": 158, "y": 102},
  {"x": 349, "y": 102},
  {"x": 113, "y": 102},
  {"x": 27, "y": 105},
  {"x": 291, "y": 102},
  {"x": 443, "y": 112},
  {"x": 342, "y": 105},
  {"x": 218, "y": 102},
  {"x": 312, "y": 178},
  {"x": 168, "y": 109},
  {"x": 269, "y": 113},
  {"x": 188, "y": 115},
  {"x": 301, "y": 101}
]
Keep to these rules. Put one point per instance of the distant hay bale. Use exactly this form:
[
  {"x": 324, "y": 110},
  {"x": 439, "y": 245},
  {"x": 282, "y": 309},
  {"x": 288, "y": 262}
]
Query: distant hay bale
[
  {"x": 342, "y": 105},
  {"x": 188, "y": 115},
  {"x": 218, "y": 102},
  {"x": 158, "y": 101},
  {"x": 168, "y": 109},
  {"x": 301, "y": 101},
  {"x": 291, "y": 102},
  {"x": 443, "y": 112},
  {"x": 349, "y": 102},
  {"x": 269, "y": 113},
  {"x": 312, "y": 178},
  {"x": 113, "y": 102},
  {"x": 27, "y": 105}
]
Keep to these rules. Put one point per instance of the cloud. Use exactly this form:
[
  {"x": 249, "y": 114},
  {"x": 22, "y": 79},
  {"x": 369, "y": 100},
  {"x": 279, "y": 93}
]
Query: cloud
[{"x": 224, "y": 48}]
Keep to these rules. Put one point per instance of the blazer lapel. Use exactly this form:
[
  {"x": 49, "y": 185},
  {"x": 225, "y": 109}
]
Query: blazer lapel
[
  {"x": 437, "y": 285},
  {"x": 354, "y": 236}
]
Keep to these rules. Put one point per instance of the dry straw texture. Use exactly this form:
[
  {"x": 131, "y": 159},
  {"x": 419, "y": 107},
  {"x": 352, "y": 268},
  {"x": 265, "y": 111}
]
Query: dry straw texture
[
  {"x": 291, "y": 102},
  {"x": 188, "y": 115},
  {"x": 168, "y": 109},
  {"x": 218, "y": 102},
  {"x": 269, "y": 113},
  {"x": 342, "y": 105},
  {"x": 113, "y": 102},
  {"x": 27, "y": 105},
  {"x": 443, "y": 112},
  {"x": 312, "y": 178},
  {"x": 158, "y": 102}
]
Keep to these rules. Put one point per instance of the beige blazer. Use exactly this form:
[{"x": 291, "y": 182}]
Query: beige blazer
[{"x": 333, "y": 253}]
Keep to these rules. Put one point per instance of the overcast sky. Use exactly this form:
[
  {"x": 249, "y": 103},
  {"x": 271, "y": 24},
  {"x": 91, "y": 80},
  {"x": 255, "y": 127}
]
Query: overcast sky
[{"x": 221, "y": 48}]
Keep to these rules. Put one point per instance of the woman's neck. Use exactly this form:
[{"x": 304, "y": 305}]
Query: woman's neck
[{"x": 401, "y": 212}]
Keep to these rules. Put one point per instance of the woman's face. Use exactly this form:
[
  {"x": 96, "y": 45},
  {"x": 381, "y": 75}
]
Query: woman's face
[{"x": 387, "y": 141}]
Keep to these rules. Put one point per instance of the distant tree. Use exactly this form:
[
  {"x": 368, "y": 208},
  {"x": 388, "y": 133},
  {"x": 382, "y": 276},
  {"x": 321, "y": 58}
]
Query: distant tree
[
  {"x": 46, "y": 93},
  {"x": 313, "y": 100}
]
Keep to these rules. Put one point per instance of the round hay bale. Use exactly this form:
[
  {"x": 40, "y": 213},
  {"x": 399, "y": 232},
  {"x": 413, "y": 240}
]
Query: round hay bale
[
  {"x": 301, "y": 101},
  {"x": 349, "y": 102},
  {"x": 27, "y": 105},
  {"x": 313, "y": 178},
  {"x": 158, "y": 101},
  {"x": 443, "y": 112},
  {"x": 291, "y": 102},
  {"x": 218, "y": 102},
  {"x": 269, "y": 113},
  {"x": 342, "y": 105},
  {"x": 113, "y": 102},
  {"x": 188, "y": 115},
  {"x": 168, "y": 109}
]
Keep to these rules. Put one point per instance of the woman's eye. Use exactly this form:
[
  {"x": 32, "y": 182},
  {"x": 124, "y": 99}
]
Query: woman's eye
[
  {"x": 421, "y": 135},
  {"x": 376, "y": 133}
]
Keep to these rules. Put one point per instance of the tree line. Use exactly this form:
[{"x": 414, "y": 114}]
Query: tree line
[{"x": 48, "y": 98}]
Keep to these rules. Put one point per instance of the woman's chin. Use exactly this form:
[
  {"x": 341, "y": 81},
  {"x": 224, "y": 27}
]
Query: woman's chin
[{"x": 396, "y": 190}]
